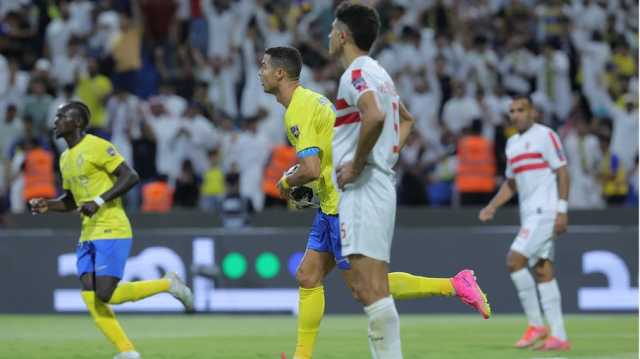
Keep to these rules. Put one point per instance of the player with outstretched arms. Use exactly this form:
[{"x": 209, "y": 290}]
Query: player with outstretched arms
[
  {"x": 537, "y": 171},
  {"x": 309, "y": 122},
  {"x": 94, "y": 177},
  {"x": 371, "y": 127}
]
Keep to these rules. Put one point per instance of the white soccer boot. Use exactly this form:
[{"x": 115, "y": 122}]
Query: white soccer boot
[
  {"x": 180, "y": 291},
  {"x": 128, "y": 355}
]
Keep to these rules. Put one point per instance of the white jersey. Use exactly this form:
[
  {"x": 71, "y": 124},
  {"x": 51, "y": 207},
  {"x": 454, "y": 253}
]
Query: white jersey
[
  {"x": 532, "y": 158},
  {"x": 364, "y": 75}
]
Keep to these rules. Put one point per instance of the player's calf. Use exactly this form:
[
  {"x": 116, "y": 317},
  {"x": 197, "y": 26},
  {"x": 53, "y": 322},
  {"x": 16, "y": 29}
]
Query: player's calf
[{"x": 369, "y": 282}]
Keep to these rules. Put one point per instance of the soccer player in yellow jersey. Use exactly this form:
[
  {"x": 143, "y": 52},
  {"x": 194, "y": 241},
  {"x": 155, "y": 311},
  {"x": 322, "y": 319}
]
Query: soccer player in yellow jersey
[
  {"x": 309, "y": 121},
  {"x": 94, "y": 177}
]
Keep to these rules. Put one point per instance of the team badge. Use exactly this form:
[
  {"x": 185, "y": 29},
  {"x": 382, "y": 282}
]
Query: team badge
[
  {"x": 358, "y": 80},
  {"x": 111, "y": 151},
  {"x": 295, "y": 131}
]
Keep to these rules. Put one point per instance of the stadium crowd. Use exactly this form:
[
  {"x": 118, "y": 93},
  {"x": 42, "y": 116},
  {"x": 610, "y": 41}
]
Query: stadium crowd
[{"x": 174, "y": 85}]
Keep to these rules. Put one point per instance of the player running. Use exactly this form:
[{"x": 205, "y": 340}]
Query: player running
[
  {"x": 94, "y": 177},
  {"x": 310, "y": 122},
  {"x": 537, "y": 170}
]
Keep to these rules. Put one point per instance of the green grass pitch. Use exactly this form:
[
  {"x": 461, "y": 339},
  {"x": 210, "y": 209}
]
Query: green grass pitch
[{"x": 216, "y": 336}]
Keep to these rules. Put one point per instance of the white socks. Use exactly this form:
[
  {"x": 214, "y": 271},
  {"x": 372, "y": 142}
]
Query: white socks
[
  {"x": 526, "y": 288},
  {"x": 552, "y": 306},
  {"x": 384, "y": 329}
]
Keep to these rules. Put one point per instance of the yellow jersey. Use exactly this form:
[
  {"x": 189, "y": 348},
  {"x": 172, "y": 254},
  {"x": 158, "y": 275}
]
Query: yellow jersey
[
  {"x": 309, "y": 121},
  {"x": 87, "y": 171}
]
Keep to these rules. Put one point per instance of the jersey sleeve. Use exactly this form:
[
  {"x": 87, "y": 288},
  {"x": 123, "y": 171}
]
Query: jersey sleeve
[
  {"x": 106, "y": 156},
  {"x": 553, "y": 152},
  {"x": 357, "y": 84},
  {"x": 308, "y": 138},
  {"x": 508, "y": 171}
]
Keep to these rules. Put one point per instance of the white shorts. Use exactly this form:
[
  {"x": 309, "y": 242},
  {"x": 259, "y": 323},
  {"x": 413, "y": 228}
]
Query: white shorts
[
  {"x": 536, "y": 238},
  {"x": 368, "y": 215}
]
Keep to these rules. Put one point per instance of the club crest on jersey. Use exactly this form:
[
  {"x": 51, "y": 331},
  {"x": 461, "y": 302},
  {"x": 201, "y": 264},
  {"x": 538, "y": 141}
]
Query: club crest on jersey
[
  {"x": 111, "y": 151},
  {"x": 295, "y": 131},
  {"x": 358, "y": 80}
]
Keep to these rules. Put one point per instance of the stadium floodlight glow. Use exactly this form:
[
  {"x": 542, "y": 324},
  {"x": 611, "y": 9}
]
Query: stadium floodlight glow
[
  {"x": 267, "y": 265},
  {"x": 234, "y": 265}
]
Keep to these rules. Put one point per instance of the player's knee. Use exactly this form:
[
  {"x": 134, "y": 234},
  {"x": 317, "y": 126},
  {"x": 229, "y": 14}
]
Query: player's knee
[
  {"x": 367, "y": 293},
  {"x": 543, "y": 272},
  {"x": 515, "y": 262},
  {"x": 104, "y": 294},
  {"x": 308, "y": 279}
]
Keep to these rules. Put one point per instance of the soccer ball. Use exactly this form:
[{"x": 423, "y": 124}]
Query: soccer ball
[{"x": 302, "y": 196}]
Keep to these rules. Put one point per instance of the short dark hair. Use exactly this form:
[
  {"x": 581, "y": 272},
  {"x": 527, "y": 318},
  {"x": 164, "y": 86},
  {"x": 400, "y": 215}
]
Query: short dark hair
[
  {"x": 523, "y": 97},
  {"x": 363, "y": 23},
  {"x": 286, "y": 58},
  {"x": 83, "y": 111}
]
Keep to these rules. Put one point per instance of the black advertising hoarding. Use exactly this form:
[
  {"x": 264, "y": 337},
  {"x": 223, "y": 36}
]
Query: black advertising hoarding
[{"x": 597, "y": 268}]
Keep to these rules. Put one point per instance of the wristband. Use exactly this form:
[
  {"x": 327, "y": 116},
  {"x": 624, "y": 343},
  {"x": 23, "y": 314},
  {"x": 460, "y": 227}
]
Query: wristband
[
  {"x": 562, "y": 206},
  {"x": 284, "y": 183},
  {"x": 99, "y": 201}
]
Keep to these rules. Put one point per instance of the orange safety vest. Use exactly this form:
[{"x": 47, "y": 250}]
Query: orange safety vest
[
  {"x": 39, "y": 180},
  {"x": 476, "y": 165},
  {"x": 157, "y": 197},
  {"x": 282, "y": 157}
]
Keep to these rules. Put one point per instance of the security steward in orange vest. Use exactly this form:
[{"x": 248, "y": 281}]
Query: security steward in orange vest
[
  {"x": 157, "y": 196},
  {"x": 38, "y": 172},
  {"x": 282, "y": 157},
  {"x": 476, "y": 175}
]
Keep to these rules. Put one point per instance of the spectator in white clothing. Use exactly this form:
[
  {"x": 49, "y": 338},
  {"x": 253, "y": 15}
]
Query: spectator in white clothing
[
  {"x": 194, "y": 138},
  {"x": 460, "y": 110},
  {"x": 123, "y": 121},
  {"x": 81, "y": 19},
  {"x": 553, "y": 79},
  {"x": 221, "y": 20},
  {"x": 165, "y": 127},
  {"x": 59, "y": 32},
  {"x": 68, "y": 66},
  {"x": 583, "y": 157}
]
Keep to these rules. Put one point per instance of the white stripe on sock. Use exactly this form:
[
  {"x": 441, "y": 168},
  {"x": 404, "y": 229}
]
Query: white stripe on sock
[
  {"x": 552, "y": 305},
  {"x": 526, "y": 287},
  {"x": 384, "y": 329}
]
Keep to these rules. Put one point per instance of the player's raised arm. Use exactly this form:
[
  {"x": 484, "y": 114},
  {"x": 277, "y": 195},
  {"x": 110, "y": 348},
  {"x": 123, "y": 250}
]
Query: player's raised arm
[
  {"x": 126, "y": 179},
  {"x": 64, "y": 203},
  {"x": 406, "y": 124},
  {"x": 372, "y": 118},
  {"x": 506, "y": 192}
]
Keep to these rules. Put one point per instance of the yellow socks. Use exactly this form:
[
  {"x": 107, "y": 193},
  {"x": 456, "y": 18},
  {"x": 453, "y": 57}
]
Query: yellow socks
[
  {"x": 310, "y": 312},
  {"x": 408, "y": 286},
  {"x": 107, "y": 322},
  {"x": 133, "y": 291}
]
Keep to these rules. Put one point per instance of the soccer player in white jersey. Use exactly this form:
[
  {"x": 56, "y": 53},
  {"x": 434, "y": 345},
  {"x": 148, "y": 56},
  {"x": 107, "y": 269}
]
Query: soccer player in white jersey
[
  {"x": 371, "y": 127},
  {"x": 537, "y": 170}
]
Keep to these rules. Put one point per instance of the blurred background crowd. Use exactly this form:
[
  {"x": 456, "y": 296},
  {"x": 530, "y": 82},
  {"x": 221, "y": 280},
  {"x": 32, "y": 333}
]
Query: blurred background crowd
[{"x": 174, "y": 85}]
